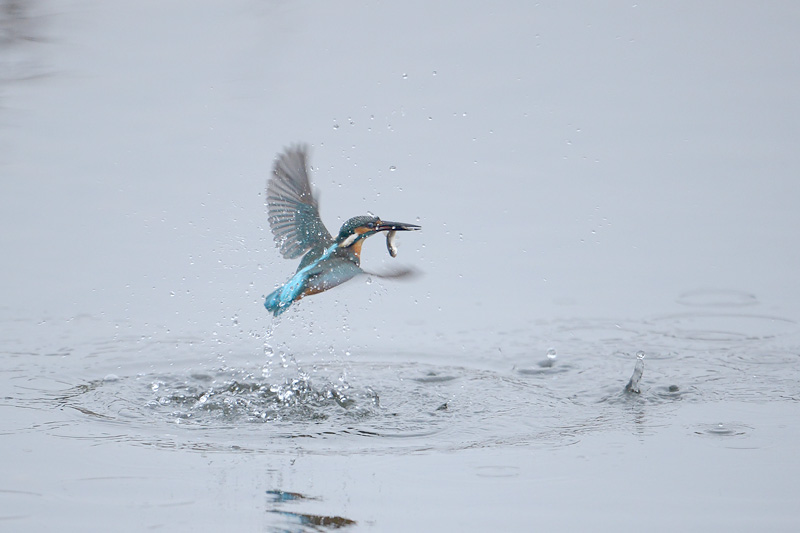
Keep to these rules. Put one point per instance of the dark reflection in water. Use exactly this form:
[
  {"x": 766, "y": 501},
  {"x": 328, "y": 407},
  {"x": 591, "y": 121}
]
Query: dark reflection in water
[
  {"x": 316, "y": 522},
  {"x": 298, "y": 521},
  {"x": 20, "y": 27},
  {"x": 280, "y": 496},
  {"x": 15, "y": 22}
]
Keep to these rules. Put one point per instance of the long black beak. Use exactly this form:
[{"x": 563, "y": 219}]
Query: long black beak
[{"x": 396, "y": 226}]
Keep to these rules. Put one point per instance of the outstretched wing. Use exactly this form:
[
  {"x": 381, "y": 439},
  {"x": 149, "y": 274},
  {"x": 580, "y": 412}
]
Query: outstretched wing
[{"x": 293, "y": 210}]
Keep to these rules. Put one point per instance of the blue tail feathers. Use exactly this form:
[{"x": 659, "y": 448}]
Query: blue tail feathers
[
  {"x": 273, "y": 302},
  {"x": 281, "y": 298}
]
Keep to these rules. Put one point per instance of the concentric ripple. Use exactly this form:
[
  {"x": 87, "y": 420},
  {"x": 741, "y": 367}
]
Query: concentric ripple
[
  {"x": 543, "y": 386},
  {"x": 402, "y": 407}
]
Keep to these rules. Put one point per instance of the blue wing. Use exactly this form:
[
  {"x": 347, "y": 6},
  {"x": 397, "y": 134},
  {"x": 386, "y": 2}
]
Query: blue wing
[{"x": 293, "y": 210}]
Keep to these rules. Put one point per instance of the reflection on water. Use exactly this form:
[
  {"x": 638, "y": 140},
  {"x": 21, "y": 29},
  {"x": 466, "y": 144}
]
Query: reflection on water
[
  {"x": 297, "y": 521},
  {"x": 280, "y": 496},
  {"x": 315, "y": 521},
  {"x": 19, "y": 24}
]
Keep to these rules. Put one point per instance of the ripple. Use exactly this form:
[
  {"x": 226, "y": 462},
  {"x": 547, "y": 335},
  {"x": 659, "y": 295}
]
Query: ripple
[
  {"x": 596, "y": 331},
  {"x": 433, "y": 377},
  {"x": 717, "y": 298},
  {"x": 671, "y": 392},
  {"x": 403, "y": 407},
  {"x": 722, "y": 327},
  {"x": 394, "y": 402},
  {"x": 723, "y": 430},
  {"x": 768, "y": 356},
  {"x": 543, "y": 370},
  {"x": 498, "y": 471}
]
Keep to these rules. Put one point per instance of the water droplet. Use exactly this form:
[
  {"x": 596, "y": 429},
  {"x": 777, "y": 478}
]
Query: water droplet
[
  {"x": 392, "y": 168},
  {"x": 434, "y": 73},
  {"x": 551, "y": 359},
  {"x": 405, "y": 76}
]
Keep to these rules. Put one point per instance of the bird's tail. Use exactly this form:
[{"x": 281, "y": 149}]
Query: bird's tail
[
  {"x": 275, "y": 304},
  {"x": 281, "y": 298}
]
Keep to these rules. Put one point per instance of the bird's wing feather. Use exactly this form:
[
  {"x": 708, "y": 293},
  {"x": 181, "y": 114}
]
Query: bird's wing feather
[{"x": 293, "y": 210}]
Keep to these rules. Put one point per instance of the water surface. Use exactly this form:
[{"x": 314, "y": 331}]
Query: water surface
[{"x": 593, "y": 183}]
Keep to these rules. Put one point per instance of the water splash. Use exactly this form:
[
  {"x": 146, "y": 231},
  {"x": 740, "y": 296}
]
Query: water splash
[
  {"x": 638, "y": 370},
  {"x": 236, "y": 397},
  {"x": 349, "y": 403},
  {"x": 551, "y": 359},
  {"x": 401, "y": 406}
]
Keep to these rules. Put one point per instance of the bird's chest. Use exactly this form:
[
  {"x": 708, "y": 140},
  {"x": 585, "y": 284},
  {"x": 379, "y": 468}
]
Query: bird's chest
[
  {"x": 355, "y": 251},
  {"x": 351, "y": 254}
]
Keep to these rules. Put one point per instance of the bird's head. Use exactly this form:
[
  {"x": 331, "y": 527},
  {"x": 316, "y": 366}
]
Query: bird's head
[{"x": 359, "y": 228}]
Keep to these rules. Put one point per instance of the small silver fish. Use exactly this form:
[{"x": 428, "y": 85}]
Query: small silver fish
[{"x": 390, "y": 244}]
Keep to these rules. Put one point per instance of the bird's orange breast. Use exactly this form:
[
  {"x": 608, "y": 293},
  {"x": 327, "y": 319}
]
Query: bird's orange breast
[{"x": 356, "y": 248}]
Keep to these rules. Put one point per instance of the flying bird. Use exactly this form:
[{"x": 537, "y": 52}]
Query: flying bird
[{"x": 299, "y": 231}]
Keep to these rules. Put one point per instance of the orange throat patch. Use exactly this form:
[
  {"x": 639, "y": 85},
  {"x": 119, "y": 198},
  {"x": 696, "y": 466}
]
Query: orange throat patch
[{"x": 356, "y": 248}]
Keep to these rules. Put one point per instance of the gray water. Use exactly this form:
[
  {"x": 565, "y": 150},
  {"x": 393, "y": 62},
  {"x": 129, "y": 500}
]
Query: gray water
[{"x": 601, "y": 189}]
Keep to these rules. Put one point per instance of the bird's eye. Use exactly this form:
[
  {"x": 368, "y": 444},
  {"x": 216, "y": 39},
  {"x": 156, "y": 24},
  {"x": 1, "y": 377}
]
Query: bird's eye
[{"x": 370, "y": 225}]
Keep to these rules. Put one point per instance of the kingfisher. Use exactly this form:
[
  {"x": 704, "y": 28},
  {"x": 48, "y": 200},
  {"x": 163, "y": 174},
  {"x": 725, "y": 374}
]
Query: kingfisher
[{"x": 298, "y": 229}]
